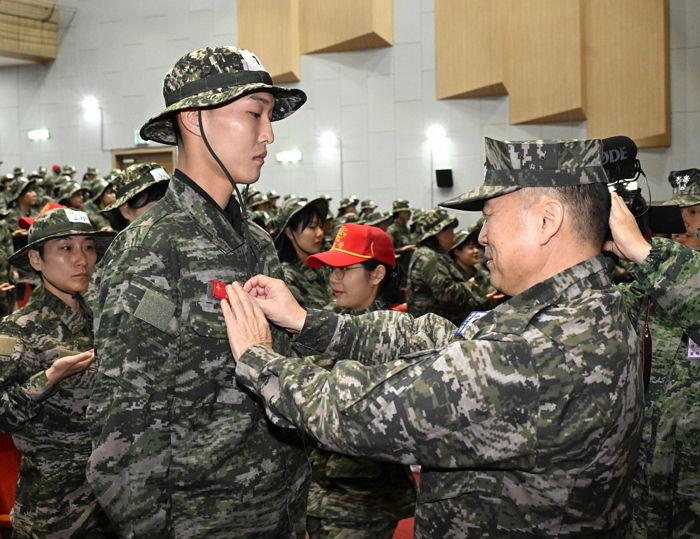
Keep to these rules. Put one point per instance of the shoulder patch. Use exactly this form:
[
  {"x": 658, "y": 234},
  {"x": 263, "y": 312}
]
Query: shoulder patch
[
  {"x": 7, "y": 345},
  {"x": 155, "y": 309}
]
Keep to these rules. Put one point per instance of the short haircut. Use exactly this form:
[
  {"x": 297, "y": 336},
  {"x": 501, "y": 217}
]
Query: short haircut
[{"x": 588, "y": 206}]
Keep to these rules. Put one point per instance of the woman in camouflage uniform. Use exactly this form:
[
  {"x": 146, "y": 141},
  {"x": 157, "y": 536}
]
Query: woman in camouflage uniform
[
  {"x": 45, "y": 379},
  {"x": 102, "y": 195},
  {"x": 300, "y": 234},
  {"x": 435, "y": 285},
  {"x": 351, "y": 496}
]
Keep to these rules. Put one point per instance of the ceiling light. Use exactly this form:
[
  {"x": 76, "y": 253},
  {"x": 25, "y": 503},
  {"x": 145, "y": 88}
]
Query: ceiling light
[{"x": 38, "y": 134}]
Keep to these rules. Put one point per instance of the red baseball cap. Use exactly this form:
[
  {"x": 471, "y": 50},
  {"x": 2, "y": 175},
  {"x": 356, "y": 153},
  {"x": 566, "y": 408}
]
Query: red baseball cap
[{"x": 356, "y": 243}]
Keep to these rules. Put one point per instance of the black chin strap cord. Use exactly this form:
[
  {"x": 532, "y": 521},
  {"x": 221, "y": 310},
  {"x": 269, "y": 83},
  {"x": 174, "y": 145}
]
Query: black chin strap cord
[{"x": 247, "y": 238}]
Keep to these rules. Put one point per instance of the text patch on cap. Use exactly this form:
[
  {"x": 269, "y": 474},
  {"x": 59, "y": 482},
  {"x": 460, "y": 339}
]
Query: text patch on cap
[
  {"x": 75, "y": 216},
  {"x": 251, "y": 61},
  {"x": 159, "y": 174}
]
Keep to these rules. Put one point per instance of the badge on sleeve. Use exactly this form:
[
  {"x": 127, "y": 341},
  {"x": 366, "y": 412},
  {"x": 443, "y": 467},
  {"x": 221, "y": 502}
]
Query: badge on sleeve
[
  {"x": 470, "y": 320},
  {"x": 218, "y": 290}
]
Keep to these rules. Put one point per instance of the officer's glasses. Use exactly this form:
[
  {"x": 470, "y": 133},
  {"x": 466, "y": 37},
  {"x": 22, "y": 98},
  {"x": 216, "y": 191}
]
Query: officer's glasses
[{"x": 339, "y": 273}]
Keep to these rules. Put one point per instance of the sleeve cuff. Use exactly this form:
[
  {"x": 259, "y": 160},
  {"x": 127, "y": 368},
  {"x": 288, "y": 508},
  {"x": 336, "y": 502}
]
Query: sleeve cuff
[
  {"x": 38, "y": 387},
  {"x": 317, "y": 333}
]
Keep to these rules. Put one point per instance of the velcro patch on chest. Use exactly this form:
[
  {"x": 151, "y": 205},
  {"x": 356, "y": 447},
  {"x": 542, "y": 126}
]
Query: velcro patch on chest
[
  {"x": 155, "y": 309},
  {"x": 7, "y": 345}
]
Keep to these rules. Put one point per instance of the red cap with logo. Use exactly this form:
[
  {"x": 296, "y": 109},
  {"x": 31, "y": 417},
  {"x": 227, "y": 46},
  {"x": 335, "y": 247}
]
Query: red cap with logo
[{"x": 356, "y": 243}]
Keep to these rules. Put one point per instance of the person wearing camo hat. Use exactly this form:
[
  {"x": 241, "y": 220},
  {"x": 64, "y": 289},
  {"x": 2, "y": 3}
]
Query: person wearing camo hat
[
  {"x": 686, "y": 195},
  {"x": 367, "y": 207},
  {"x": 46, "y": 377},
  {"x": 258, "y": 202},
  {"x": 380, "y": 219},
  {"x": 346, "y": 205},
  {"x": 73, "y": 195},
  {"x": 525, "y": 419},
  {"x": 102, "y": 194},
  {"x": 178, "y": 449},
  {"x": 136, "y": 190},
  {"x": 401, "y": 235}
]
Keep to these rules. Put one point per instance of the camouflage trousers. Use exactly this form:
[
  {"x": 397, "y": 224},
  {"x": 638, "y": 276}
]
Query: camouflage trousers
[{"x": 325, "y": 528}]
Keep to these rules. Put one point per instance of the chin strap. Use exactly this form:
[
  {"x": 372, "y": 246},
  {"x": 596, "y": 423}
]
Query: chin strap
[{"x": 248, "y": 246}]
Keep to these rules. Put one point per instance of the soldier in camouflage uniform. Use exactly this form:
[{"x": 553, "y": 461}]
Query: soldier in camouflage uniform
[
  {"x": 401, "y": 236},
  {"x": 72, "y": 195},
  {"x": 435, "y": 285},
  {"x": 666, "y": 486},
  {"x": 7, "y": 295},
  {"x": 45, "y": 382},
  {"x": 178, "y": 449},
  {"x": 102, "y": 194},
  {"x": 300, "y": 234},
  {"x": 526, "y": 421}
]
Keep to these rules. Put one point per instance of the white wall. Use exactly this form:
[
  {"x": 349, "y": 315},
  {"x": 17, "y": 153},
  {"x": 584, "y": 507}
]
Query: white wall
[{"x": 380, "y": 101}]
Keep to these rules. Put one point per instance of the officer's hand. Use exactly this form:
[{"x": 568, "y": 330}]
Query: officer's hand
[
  {"x": 64, "y": 367},
  {"x": 6, "y": 287},
  {"x": 627, "y": 240},
  {"x": 245, "y": 322},
  {"x": 277, "y": 302}
]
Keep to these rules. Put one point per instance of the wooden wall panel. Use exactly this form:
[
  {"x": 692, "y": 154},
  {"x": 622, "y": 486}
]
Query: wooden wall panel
[
  {"x": 627, "y": 70},
  {"x": 270, "y": 29},
  {"x": 29, "y": 29},
  {"x": 468, "y": 48},
  {"x": 342, "y": 25},
  {"x": 543, "y": 47}
]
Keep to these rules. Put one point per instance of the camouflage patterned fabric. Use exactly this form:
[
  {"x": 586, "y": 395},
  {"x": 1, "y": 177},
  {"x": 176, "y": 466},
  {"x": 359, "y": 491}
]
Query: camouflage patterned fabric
[
  {"x": 214, "y": 76},
  {"x": 134, "y": 180},
  {"x": 527, "y": 424},
  {"x": 666, "y": 487},
  {"x": 401, "y": 236},
  {"x": 179, "y": 449},
  {"x": 98, "y": 220},
  {"x": 309, "y": 285},
  {"x": 7, "y": 300},
  {"x": 538, "y": 163},
  {"x": 481, "y": 284},
  {"x": 356, "y": 496},
  {"x": 435, "y": 285},
  {"x": 686, "y": 187},
  {"x": 14, "y": 214},
  {"x": 47, "y": 422}
]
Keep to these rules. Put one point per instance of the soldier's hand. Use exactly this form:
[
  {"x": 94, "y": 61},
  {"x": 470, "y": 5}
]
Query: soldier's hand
[
  {"x": 246, "y": 324},
  {"x": 64, "y": 367},
  {"x": 20, "y": 232},
  {"x": 6, "y": 287},
  {"x": 627, "y": 240},
  {"x": 277, "y": 302}
]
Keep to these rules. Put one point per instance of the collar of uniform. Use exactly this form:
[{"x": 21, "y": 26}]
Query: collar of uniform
[
  {"x": 214, "y": 222},
  {"x": 42, "y": 298},
  {"x": 564, "y": 283}
]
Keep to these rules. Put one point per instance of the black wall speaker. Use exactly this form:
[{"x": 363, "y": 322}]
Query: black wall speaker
[{"x": 444, "y": 177}]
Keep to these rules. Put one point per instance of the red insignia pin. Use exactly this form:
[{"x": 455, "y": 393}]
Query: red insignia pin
[{"x": 218, "y": 290}]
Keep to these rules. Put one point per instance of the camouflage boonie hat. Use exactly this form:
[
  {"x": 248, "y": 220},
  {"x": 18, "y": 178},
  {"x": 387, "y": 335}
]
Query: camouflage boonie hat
[
  {"x": 400, "y": 205},
  {"x": 435, "y": 220},
  {"x": 686, "y": 187},
  {"x": 18, "y": 171},
  {"x": 345, "y": 202},
  {"x": 43, "y": 170},
  {"x": 59, "y": 223},
  {"x": 256, "y": 200},
  {"x": 213, "y": 76},
  {"x": 471, "y": 235},
  {"x": 68, "y": 189},
  {"x": 68, "y": 169},
  {"x": 293, "y": 206},
  {"x": 272, "y": 195},
  {"x": 134, "y": 180},
  {"x": 19, "y": 186},
  {"x": 510, "y": 166},
  {"x": 92, "y": 170},
  {"x": 378, "y": 217},
  {"x": 97, "y": 188},
  {"x": 367, "y": 205}
]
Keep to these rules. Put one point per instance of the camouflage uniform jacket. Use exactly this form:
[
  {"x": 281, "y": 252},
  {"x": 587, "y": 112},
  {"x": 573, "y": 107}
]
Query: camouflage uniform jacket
[
  {"x": 435, "y": 285},
  {"x": 7, "y": 299},
  {"x": 309, "y": 285},
  {"x": 482, "y": 280},
  {"x": 178, "y": 449},
  {"x": 97, "y": 218},
  {"x": 352, "y": 489},
  {"x": 48, "y": 421},
  {"x": 526, "y": 424},
  {"x": 666, "y": 487},
  {"x": 13, "y": 215}
]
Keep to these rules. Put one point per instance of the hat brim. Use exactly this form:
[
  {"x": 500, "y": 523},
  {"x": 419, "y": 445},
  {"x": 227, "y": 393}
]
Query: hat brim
[
  {"x": 20, "y": 259},
  {"x": 131, "y": 193},
  {"x": 474, "y": 200},
  {"x": 683, "y": 201},
  {"x": 160, "y": 128},
  {"x": 337, "y": 259},
  {"x": 450, "y": 220}
]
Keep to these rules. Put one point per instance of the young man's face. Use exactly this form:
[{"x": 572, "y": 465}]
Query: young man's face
[
  {"x": 691, "y": 219},
  {"x": 239, "y": 133}
]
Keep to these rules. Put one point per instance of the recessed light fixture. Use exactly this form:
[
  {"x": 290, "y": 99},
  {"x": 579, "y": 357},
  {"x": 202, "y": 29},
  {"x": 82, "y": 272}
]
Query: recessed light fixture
[{"x": 38, "y": 134}]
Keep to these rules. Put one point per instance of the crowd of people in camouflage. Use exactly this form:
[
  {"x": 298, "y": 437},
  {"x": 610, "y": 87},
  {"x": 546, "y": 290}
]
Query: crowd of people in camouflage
[{"x": 186, "y": 355}]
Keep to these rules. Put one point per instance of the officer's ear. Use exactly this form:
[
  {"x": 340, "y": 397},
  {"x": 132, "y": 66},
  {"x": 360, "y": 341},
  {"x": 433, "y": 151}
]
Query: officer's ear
[
  {"x": 188, "y": 120},
  {"x": 551, "y": 213}
]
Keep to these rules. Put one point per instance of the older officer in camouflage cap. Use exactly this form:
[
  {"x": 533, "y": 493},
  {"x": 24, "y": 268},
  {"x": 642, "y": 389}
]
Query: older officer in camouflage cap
[
  {"x": 526, "y": 419},
  {"x": 179, "y": 449},
  {"x": 45, "y": 380}
]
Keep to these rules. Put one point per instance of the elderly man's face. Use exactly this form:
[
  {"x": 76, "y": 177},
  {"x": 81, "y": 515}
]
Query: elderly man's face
[{"x": 511, "y": 244}]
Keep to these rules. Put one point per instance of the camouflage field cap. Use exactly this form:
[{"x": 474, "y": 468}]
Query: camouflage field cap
[
  {"x": 367, "y": 205},
  {"x": 68, "y": 189},
  {"x": 400, "y": 205},
  {"x": 469, "y": 236},
  {"x": 18, "y": 171},
  {"x": 213, "y": 76},
  {"x": 19, "y": 186},
  {"x": 511, "y": 166},
  {"x": 68, "y": 169},
  {"x": 435, "y": 220},
  {"x": 686, "y": 187},
  {"x": 378, "y": 217},
  {"x": 272, "y": 195},
  {"x": 292, "y": 207},
  {"x": 43, "y": 170},
  {"x": 345, "y": 202},
  {"x": 92, "y": 170},
  {"x": 134, "y": 180},
  {"x": 97, "y": 188},
  {"x": 257, "y": 199},
  {"x": 60, "y": 223}
]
